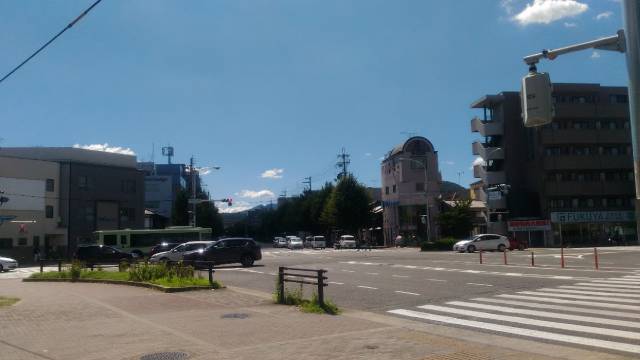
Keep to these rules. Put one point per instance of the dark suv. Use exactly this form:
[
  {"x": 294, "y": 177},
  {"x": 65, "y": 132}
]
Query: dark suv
[
  {"x": 101, "y": 254},
  {"x": 227, "y": 251}
]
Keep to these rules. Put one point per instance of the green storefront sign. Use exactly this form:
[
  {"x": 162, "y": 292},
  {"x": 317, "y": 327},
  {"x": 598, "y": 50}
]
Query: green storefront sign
[{"x": 592, "y": 217}]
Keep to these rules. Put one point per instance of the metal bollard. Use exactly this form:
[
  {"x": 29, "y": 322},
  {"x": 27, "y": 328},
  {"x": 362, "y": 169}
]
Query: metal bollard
[
  {"x": 562, "y": 257},
  {"x": 211, "y": 273},
  {"x": 480, "y": 256},
  {"x": 595, "y": 258},
  {"x": 41, "y": 265},
  {"x": 321, "y": 288},
  {"x": 281, "y": 285},
  {"x": 504, "y": 255},
  {"x": 59, "y": 265},
  {"x": 532, "y": 260}
]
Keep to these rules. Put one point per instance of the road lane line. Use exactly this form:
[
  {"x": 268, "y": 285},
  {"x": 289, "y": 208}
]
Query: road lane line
[
  {"x": 336, "y": 283},
  {"x": 533, "y": 322},
  {"x": 479, "y": 284},
  {"x": 617, "y": 282},
  {"x": 349, "y": 271},
  {"x": 621, "y": 314},
  {"x": 437, "y": 280},
  {"x": 580, "y": 297},
  {"x": 589, "y": 319},
  {"x": 512, "y": 330},
  {"x": 367, "y": 287},
  {"x": 574, "y": 302},
  {"x": 372, "y": 273},
  {"x": 616, "y": 290},
  {"x": 406, "y": 292},
  {"x": 610, "y": 285},
  {"x": 596, "y": 293},
  {"x": 400, "y": 276}
]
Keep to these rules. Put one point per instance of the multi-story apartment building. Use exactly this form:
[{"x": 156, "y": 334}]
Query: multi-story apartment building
[
  {"x": 162, "y": 183},
  {"x": 410, "y": 188},
  {"x": 97, "y": 190},
  {"x": 570, "y": 181},
  {"x": 31, "y": 216}
]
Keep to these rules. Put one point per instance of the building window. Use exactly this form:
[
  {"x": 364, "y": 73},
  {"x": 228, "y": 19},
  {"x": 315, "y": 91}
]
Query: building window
[
  {"x": 386, "y": 190},
  {"x": 605, "y": 202},
  {"x": 575, "y": 203},
  {"x": 90, "y": 213},
  {"x": 50, "y": 185},
  {"x": 83, "y": 182},
  {"x": 127, "y": 214},
  {"x": 128, "y": 186},
  {"x": 394, "y": 188},
  {"x": 618, "y": 99},
  {"x": 419, "y": 186},
  {"x": 48, "y": 211},
  {"x": 590, "y": 203},
  {"x": 6, "y": 243},
  {"x": 22, "y": 241}
]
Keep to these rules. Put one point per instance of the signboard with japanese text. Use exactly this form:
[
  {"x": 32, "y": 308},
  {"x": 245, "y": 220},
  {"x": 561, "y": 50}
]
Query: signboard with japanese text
[
  {"x": 592, "y": 216},
  {"x": 529, "y": 225}
]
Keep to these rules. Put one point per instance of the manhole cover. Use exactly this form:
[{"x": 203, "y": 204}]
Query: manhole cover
[
  {"x": 235, "y": 316},
  {"x": 166, "y": 356}
]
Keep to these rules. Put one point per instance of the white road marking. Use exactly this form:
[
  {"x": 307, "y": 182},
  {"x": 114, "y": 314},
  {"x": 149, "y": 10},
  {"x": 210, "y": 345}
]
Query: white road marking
[
  {"x": 479, "y": 284},
  {"x": 336, "y": 283},
  {"x": 617, "y": 290},
  {"x": 581, "y": 297},
  {"x": 596, "y": 293},
  {"x": 617, "y": 281},
  {"x": 590, "y": 319},
  {"x": 621, "y": 314},
  {"x": 440, "y": 280},
  {"x": 533, "y": 322},
  {"x": 610, "y": 285},
  {"x": 573, "y": 302},
  {"x": 349, "y": 271},
  {"x": 372, "y": 274},
  {"x": 400, "y": 276},
  {"x": 367, "y": 287},
  {"x": 511, "y": 330},
  {"x": 406, "y": 292}
]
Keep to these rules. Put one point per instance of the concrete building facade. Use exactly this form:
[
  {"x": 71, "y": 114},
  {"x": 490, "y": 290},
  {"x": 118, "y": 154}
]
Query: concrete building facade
[
  {"x": 31, "y": 216},
  {"x": 410, "y": 189},
  {"x": 571, "y": 181}
]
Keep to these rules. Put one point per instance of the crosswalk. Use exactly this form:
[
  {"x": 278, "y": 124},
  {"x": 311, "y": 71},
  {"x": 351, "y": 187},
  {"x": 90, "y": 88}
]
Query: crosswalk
[{"x": 602, "y": 314}]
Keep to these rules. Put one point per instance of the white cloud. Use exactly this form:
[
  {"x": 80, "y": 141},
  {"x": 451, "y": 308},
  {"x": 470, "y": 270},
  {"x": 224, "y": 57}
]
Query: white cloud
[
  {"x": 478, "y": 161},
  {"x": 548, "y": 11},
  {"x": 253, "y": 194},
  {"x": 570, "y": 25},
  {"x": 238, "y": 206},
  {"x": 367, "y": 154},
  {"x": 508, "y": 6},
  {"x": 272, "y": 174},
  {"x": 449, "y": 162},
  {"x": 381, "y": 158},
  {"x": 604, "y": 15},
  {"x": 595, "y": 55},
  {"x": 106, "y": 148}
]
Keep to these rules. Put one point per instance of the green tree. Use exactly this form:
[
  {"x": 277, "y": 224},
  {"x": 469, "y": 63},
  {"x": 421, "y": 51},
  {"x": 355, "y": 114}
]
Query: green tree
[
  {"x": 457, "y": 221},
  {"x": 348, "y": 207},
  {"x": 180, "y": 214},
  {"x": 207, "y": 216}
]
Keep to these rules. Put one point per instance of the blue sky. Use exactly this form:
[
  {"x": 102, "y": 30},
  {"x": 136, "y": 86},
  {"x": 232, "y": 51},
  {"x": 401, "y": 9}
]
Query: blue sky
[{"x": 258, "y": 85}]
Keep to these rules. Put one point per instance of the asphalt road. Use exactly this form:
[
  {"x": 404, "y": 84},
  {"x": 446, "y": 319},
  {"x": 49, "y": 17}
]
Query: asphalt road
[{"x": 576, "y": 305}]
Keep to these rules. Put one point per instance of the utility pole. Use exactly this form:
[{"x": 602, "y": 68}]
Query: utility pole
[
  {"x": 192, "y": 172},
  {"x": 307, "y": 181},
  {"x": 344, "y": 159}
]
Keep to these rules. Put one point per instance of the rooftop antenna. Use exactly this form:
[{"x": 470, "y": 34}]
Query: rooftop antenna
[{"x": 168, "y": 152}]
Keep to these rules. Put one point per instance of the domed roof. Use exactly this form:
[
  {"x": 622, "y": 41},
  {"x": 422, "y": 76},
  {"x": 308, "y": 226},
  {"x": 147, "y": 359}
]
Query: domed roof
[{"x": 416, "y": 145}]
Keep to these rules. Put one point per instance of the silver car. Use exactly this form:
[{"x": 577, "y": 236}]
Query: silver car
[
  {"x": 7, "y": 264},
  {"x": 175, "y": 254},
  {"x": 484, "y": 242}
]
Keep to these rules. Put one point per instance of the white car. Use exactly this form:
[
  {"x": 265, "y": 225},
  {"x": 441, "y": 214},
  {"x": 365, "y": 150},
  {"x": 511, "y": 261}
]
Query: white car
[
  {"x": 175, "y": 254},
  {"x": 294, "y": 242},
  {"x": 7, "y": 264},
  {"x": 316, "y": 242},
  {"x": 485, "y": 242},
  {"x": 346, "y": 242},
  {"x": 279, "y": 242}
]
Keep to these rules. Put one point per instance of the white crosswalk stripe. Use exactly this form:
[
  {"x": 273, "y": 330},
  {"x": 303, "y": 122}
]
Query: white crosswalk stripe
[{"x": 601, "y": 313}]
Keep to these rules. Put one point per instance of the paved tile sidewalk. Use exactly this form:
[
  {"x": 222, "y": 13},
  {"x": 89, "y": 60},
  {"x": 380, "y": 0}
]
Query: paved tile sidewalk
[{"x": 66, "y": 321}]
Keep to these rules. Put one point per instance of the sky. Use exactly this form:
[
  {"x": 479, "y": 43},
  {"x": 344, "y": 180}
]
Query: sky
[{"x": 272, "y": 90}]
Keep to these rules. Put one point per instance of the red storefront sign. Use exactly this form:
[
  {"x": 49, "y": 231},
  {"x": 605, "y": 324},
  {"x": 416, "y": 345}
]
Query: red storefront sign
[{"x": 529, "y": 225}]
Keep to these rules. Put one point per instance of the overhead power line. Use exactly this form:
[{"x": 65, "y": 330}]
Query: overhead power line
[{"x": 52, "y": 40}]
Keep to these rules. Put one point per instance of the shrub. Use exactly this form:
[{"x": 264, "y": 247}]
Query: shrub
[
  {"x": 123, "y": 266},
  {"x": 75, "y": 270},
  {"x": 440, "y": 244}
]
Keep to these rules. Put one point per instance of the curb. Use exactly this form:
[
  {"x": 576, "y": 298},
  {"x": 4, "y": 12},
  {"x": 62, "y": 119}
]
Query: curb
[{"x": 164, "y": 289}]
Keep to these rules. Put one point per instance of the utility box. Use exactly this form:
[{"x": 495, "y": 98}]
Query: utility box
[{"x": 537, "y": 105}]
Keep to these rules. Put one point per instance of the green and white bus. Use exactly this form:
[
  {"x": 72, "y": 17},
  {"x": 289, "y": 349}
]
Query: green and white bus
[{"x": 141, "y": 241}]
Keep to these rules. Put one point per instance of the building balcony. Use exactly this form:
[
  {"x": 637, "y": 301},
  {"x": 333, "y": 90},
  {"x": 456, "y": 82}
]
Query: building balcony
[
  {"x": 486, "y": 128},
  {"x": 569, "y": 162},
  {"x": 486, "y": 151},
  {"x": 585, "y": 136},
  {"x": 491, "y": 202},
  {"x": 583, "y": 188},
  {"x": 489, "y": 177}
]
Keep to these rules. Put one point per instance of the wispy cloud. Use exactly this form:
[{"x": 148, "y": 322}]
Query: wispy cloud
[
  {"x": 570, "y": 25},
  {"x": 595, "y": 55},
  {"x": 508, "y": 6},
  {"x": 238, "y": 206},
  {"x": 548, "y": 11},
  {"x": 449, "y": 162},
  {"x": 272, "y": 174},
  {"x": 604, "y": 15},
  {"x": 106, "y": 148},
  {"x": 255, "y": 194},
  {"x": 367, "y": 154}
]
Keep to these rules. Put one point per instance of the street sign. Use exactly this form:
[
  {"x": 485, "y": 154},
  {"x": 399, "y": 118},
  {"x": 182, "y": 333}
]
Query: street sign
[{"x": 529, "y": 225}]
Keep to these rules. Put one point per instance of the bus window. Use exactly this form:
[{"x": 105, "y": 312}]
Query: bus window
[
  {"x": 123, "y": 240},
  {"x": 111, "y": 240}
]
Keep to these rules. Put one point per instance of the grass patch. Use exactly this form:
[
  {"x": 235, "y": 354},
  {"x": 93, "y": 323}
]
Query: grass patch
[
  {"x": 178, "y": 282},
  {"x": 296, "y": 298},
  {"x": 7, "y": 301}
]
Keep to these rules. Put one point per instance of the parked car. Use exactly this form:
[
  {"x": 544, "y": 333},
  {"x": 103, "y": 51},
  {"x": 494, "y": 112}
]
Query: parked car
[
  {"x": 279, "y": 242},
  {"x": 294, "y": 242},
  {"x": 485, "y": 242},
  {"x": 176, "y": 254},
  {"x": 346, "y": 242},
  {"x": 315, "y": 242},
  {"x": 516, "y": 244},
  {"x": 162, "y": 248},
  {"x": 227, "y": 251},
  {"x": 102, "y": 254},
  {"x": 7, "y": 264}
]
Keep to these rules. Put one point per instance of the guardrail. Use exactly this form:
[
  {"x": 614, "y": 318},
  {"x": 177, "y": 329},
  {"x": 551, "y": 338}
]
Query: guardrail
[{"x": 298, "y": 276}]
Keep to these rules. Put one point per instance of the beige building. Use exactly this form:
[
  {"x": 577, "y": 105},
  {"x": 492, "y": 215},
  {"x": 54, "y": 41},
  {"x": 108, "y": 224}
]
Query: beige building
[
  {"x": 31, "y": 216},
  {"x": 410, "y": 188}
]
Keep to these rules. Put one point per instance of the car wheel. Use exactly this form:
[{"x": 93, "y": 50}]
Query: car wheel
[
  {"x": 247, "y": 261},
  {"x": 1, "y": 268},
  {"x": 471, "y": 248},
  {"x": 501, "y": 248}
]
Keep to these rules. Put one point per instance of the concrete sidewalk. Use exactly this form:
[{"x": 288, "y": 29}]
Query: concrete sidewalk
[{"x": 65, "y": 321}]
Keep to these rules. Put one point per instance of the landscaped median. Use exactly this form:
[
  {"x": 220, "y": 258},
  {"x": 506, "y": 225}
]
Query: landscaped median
[{"x": 166, "y": 278}]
